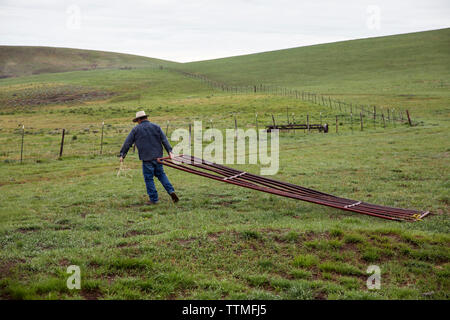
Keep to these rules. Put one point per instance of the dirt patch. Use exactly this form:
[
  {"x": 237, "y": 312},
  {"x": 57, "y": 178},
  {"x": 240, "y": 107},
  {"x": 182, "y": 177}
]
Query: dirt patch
[
  {"x": 215, "y": 236},
  {"x": 64, "y": 262},
  {"x": 124, "y": 245},
  {"x": 6, "y": 267},
  {"x": 28, "y": 229},
  {"x": 133, "y": 233},
  {"x": 91, "y": 294},
  {"x": 54, "y": 96}
]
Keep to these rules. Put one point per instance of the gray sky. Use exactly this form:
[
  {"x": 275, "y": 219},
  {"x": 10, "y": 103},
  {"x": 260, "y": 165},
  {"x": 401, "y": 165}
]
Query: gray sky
[{"x": 189, "y": 30}]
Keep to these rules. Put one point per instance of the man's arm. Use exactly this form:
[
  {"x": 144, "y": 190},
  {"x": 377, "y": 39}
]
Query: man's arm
[
  {"x": 127, "y": 144},
  {"x": 165, "y": 143}
]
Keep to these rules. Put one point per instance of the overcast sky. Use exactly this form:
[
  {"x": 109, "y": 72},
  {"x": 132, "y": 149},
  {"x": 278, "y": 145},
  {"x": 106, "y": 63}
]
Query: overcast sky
[{"x": 189, "y": 30}]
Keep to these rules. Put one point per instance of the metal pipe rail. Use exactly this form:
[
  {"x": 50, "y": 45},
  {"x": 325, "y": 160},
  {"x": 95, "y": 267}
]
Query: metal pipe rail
[
  {"x": 222, "y": 173},
  {"x": 299, "y": 126}
]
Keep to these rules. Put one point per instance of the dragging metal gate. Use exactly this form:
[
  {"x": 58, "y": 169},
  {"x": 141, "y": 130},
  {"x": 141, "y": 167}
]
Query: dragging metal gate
[{"x": 222, "y": 173}]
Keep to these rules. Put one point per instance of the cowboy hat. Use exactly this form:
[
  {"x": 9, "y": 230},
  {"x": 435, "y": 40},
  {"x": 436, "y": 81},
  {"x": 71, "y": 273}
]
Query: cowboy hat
[{"x": 139, "y": 114}]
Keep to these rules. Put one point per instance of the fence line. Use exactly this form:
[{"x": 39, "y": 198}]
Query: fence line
[
  {"x": 315, "y": 98},
  {"x": 107, "y": 139},
  {"x": 110, "y": 145}
]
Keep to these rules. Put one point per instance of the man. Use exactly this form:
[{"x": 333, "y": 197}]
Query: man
[{"x": 149, "y": 139}]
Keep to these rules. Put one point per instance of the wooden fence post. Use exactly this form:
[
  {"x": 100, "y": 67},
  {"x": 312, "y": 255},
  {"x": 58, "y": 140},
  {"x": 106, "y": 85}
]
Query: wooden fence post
[
  {"x": 256, "y": 122},
  {"x": 361, "y": 117},
  {"x": 235, "y": 127},
  {"x": 409, "y": 118},
  {"x": 273, "y": 120},
  {"x": 21, "y": 148},
  {"x": 384, "y": 120},
  {"x": 101, "y": 140},
  {"x": 167, "y": 128},
  {"x": 336, "y": 124},
  {"x": 351, "y": 121},
  {"x": 374, "y": 116},
  {"x": 62, "y": 143},
  {"x": 307, "y": 122},
  {"x": 190, "y": 130},
  {"x": 287, "y": 114}
]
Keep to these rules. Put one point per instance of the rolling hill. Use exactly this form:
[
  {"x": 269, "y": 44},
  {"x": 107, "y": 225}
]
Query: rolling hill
[
  {"x": 20, "y": 61},
  {"x": 413, "y": 57}
]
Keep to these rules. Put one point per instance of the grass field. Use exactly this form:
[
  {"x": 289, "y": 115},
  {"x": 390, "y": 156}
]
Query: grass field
[{"x": 221, "y": 241}]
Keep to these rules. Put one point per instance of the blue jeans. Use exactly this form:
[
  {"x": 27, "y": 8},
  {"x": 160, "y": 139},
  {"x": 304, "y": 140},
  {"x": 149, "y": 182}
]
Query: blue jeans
[{"x": 153, "y": 168}]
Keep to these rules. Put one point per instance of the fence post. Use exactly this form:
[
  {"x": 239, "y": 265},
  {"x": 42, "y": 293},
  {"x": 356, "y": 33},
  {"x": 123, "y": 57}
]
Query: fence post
[
  {"x": 361, "y": 117},
  {"x": 235, "y": 127},
  {"x": 287, "y": 114},
  {"x": 167, "y": 128},
  {"x": 21, "y": 148},
  {"x": 190, "y": 137},
  {"x": 384, "y": 120},
  {"x": 374, "y": 116},
  {"x": 273, "y": 120},
  {"x": 62, "y": 144},
  {"x": 293, "y": 120},
  {"x": 101, "y": 141},
  {"x": 409, "y": 118},
  {"x": 351, "y": 121},
  {"x": 307, "y": 122},
  {"x": 336, "y": 124},
  {"x": 256, "y": 122}
]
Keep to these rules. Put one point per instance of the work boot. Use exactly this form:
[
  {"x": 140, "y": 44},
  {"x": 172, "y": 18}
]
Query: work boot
[
  {"x": 151, "y": 202},
  {"x": 174, "y": 197}
]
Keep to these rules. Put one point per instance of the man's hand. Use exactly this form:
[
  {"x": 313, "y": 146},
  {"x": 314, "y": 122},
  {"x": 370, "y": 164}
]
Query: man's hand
[
  {"x": 121, "y": 159},
  {"x": 171, "y": 155}
]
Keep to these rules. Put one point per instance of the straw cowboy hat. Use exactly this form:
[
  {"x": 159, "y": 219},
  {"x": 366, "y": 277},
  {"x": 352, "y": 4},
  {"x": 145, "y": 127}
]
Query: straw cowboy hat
[{"x": 139, "y": 114}]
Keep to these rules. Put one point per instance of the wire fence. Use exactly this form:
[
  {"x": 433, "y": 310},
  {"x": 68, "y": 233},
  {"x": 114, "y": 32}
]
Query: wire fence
[
  {"x": 105, "y": 139},
  {"x": 37, "y": 145},
  {"x": 369, "y": 110}
]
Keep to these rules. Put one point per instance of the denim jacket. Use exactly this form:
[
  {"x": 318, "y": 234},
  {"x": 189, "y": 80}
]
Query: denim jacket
[{"x": 149, "y": 139}]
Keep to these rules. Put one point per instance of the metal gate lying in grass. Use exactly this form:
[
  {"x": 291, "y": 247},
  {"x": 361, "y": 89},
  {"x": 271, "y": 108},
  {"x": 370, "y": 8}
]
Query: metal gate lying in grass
[{"x": 222, "y": 173}]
